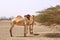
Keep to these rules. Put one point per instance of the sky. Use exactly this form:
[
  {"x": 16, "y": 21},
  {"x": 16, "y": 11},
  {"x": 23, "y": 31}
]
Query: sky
[{"x": 10, "y": 8}]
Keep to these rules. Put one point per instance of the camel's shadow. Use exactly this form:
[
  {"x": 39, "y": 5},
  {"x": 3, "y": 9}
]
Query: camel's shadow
[
  {"x": 33, "y": 35},
  {"x": 49, "y": 35},
  {"x": 52, "y": 35}
]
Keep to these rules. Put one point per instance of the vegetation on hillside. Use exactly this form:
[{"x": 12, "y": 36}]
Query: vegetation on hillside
[{"x": 49, "y": 16}]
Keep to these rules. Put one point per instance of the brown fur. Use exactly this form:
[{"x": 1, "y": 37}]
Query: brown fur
[{"x": 20, "y": 21}]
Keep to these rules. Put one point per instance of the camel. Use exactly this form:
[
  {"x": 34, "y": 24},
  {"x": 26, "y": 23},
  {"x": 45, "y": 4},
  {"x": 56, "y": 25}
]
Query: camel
[
  {"x": 31, "y": 22},
  {"x": 19, "y": 21},
  {"x": 23, "y": 21}
]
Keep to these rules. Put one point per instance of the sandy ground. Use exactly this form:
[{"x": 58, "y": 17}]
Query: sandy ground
[{"x": 41, "y": 32}]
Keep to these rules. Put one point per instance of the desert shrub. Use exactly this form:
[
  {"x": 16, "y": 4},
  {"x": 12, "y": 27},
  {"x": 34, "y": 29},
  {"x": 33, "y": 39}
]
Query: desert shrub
[{"x": 49, "y": 16}]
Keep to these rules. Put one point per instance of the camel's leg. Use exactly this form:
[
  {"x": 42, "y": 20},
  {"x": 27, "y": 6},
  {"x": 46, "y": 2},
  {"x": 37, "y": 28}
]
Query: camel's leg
[
  {"x": 25, "y": 30},
  {"x": 31, "y": 29},
  {"x": 11, "y": 30}
]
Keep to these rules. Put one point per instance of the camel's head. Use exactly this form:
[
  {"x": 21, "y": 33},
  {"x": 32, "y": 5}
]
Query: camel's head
[{"x": 27, "y": 16}]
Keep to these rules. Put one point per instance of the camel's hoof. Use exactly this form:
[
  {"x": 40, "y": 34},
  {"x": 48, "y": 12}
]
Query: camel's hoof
[
  {"x": 11, "y": 35},
  {"x": 31, "y": 32},
  {"x": 24, "y": 35}
]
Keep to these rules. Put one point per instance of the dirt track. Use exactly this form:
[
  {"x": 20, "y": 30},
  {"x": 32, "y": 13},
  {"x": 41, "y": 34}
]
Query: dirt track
[{"x": 43, "y": 32}]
